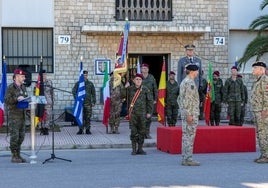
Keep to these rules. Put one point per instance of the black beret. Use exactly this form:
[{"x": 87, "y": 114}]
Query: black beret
[
  {"x": 189, "y": 47},
  {"x": 85, "y": 72},
  {"x": 192, "y": 67},
  {"x": 260, "y": 64}
]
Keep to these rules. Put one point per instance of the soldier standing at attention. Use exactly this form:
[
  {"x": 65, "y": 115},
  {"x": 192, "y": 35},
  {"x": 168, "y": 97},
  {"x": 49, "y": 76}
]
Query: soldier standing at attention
[
  {"x": 150, "y": 83},
  {"x": 16, "y": 124},
  {"x": 215, "y": 109},
  {"x": 189, "y": 106},
  {"x": 117, "y": 95},
  {"x": 234, "y": 96},
  {"x": 259, "y": 106},
  {"x": 141, "y": 108},
  {"x": 89, "y": 102},
  {"x": 172, "y": 106}
]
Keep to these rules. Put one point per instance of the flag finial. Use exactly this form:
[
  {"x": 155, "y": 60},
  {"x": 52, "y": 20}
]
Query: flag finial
[
  {"x": 4, "y": 58},
  {"x": 81, "y": 58}
]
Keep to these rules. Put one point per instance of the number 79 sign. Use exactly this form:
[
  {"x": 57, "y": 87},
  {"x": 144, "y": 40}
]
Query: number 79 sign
[
  {"x": 219, "y": 41},
  {"x": 64, "y": 39}
]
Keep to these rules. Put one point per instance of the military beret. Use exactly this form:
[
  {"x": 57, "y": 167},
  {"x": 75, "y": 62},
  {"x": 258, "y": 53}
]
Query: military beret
[
  {"x": 85, "y": 72},
  {"x": 260, "y": 64},
  {"x": 138, "y": 75},
  {"x": 19, "y": 71},
  {"x": 234, "y": 67},
  {"x": 172, "y": 72},
  {"x": 189, "y": 47},
  {"x": 192, "y": 67},
  {"x": 239, "y": 76},
  {"x": 216, "y": 73},
  {"x": 145, "y": 65}
]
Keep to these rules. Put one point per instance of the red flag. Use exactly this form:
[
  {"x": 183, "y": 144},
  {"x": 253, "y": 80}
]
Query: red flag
[
  {"x": 160, "y": 108},
  {"x": 210, "y": 96}
]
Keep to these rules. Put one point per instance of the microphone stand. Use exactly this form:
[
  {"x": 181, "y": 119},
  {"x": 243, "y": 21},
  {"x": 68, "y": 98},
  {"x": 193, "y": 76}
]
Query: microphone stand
[{"x": 53, "y": 156}]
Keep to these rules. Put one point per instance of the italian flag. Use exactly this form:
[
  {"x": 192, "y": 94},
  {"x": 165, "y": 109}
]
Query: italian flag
[{"x": 106, "y": 97}]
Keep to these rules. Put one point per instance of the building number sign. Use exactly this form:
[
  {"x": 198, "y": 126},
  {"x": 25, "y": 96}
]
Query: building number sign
[
  {"x": 64, "y": 39},
  {"x": 219, "y": 41}
]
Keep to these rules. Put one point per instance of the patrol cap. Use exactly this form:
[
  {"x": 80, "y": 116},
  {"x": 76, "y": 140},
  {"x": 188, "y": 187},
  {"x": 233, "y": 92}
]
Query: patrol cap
[
  {"x": 260, "y": 64},
  {"x": 217, "y": 73},
  {"x": 138, "y": 75},
  {"x": 172, "y": 72},
  {"x": 19, "y": 71},
  {"x": 85, "y": 72},
  {"x": 189, "y": 47},
  {"x": 234, "y": 67},
  {"x": 192, "y": 67},
  {"x": 145, "y": 65}
]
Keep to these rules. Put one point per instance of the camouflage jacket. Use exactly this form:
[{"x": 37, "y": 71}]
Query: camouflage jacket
[
  {"x": 259, "y": 97},
  {"x": 150, "y": 83},
  {"x": 90, "y": 98},
  {"x": 11, "y": 98},
  {"x": 173, "y": 92},
  {"x": 218, "y": 90},
  {"x": 144, "y": 102},
  {"x": 117, "y": 94},
  {"x": 233, "y": 90},
  {"x": 189, "y": 97}
]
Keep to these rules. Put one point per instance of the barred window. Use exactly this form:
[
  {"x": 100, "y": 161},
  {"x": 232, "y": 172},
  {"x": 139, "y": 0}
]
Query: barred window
[
  {"x": 26, "y": 46},
  {"x": 144, "y": 10}
]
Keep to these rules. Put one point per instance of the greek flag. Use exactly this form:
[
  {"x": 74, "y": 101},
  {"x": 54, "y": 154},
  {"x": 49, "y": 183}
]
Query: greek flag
[{"x": 79, "y": 100}]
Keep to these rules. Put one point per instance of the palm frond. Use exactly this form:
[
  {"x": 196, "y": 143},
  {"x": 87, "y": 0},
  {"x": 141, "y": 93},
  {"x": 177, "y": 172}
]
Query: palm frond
[
  {"x": 263, "y": 4},
  {"x": 258, "y": 47},
  {"x": 260, "y": 23}
]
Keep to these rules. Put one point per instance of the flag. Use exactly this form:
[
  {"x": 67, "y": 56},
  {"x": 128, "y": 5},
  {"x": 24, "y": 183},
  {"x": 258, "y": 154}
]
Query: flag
[
  {"x": 39, "y": 91},
  {"x": 106, "y": 97},
  {"x": 2, "y": 93},
  {"x": 210, "y": 96},
  {"x": 138, "y": 67},
  {"x": 79, "y": 100},
  {"x": 160, "y": 108},
  {"x": 121, "y": 57}
]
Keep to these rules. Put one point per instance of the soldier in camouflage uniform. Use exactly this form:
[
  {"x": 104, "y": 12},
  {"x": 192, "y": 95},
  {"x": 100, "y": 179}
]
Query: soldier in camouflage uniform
[
  {"x": 189, "y": 106},
  {"x": 117, "y": 95},
  {"x": 202, "y": 95},
  {"x": 139, "y": 110},
  {"x": 49, "y": 94},
  {"x": 243, "y": 106},
  {"x": 89, "y": 102},
  {"x": 234, "y": 96},
  {"x": 215, "y": 109},
  {"x": 172, "y": 106},
  {"x": 16, "y": 113},
  {"x": 259, "y": 106},
  {"x": 150, "y": 83}
]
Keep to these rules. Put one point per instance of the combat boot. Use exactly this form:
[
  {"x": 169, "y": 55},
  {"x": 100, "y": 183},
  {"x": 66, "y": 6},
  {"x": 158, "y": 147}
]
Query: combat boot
[
  {"x": 190, "y": 163},
  {"x": 15, "y": 158},
  {"x": 88, "y": 131},
  {"x": 20, "y": 157},
  {"x": 116, "y": 131},
  {"x": 80, "y": 131},
  {"x": 134, "y": 148},
  {"x": 111, "y": 130},
  {"x": 140, "y": 150}
]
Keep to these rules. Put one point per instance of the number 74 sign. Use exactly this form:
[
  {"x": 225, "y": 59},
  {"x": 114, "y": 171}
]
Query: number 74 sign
[{"x": 219, "y": 41}]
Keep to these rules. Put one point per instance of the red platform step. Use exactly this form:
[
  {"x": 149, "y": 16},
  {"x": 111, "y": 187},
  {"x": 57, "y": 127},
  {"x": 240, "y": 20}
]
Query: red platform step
[{"x": 209, "y": 139}]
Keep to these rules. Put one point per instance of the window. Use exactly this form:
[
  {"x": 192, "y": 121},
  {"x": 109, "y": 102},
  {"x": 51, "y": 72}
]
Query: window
[
  {"x": 143, "y": 10},
  {"x": 26, "y": 46}
]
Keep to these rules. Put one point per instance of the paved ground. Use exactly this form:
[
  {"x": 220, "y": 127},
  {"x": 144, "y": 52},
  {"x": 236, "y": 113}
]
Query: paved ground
[{"x": 110, "y": 165}]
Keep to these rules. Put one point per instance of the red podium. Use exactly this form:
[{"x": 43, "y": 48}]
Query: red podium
[{"x": 216, "y": 139}]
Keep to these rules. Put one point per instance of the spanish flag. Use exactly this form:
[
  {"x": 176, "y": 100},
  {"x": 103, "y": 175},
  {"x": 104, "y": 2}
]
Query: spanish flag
[{"x": 160, "y": 107}]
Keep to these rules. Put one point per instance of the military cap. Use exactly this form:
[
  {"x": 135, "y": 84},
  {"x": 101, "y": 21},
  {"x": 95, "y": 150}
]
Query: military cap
[
  {"x": 189, "y": 47},
  {"x": 216, "y": 73},
  {"x": 145, "y": 65},
  {"x": 85, "y": 72},
  {"x": 138, "y": 75},
  {"x": 239, "y": 76},
  {"x": 172, "y": 72},
  {"x": 19, "y": 71},
  {"x": 260, "y": 64},
  {"x": 234, "y": 67},
  {"x": 192, "y": 67}
]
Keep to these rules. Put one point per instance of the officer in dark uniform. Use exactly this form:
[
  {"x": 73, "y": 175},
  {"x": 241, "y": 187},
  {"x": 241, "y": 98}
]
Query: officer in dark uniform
[{"x": 15, "y": 93}]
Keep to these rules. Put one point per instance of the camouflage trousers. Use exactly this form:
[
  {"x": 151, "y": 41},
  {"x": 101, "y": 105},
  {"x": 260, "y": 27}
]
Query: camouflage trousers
[
  {"x": 215, "y": 113},
  {"x": 115, "y": 109},
  {"x": 262, "y": 132},
  {"x": 188, "y": 136},
  {"x": 172, "y": 114},
  {"x": 137, "y": 128},
  {"x": 234, "y": 111},
  {"x": 17, "y": 133},
  {"x": 87, "y": 113}
]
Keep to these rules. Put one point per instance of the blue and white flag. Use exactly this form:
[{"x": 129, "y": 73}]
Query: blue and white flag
[{"x": 79, "y": 100}]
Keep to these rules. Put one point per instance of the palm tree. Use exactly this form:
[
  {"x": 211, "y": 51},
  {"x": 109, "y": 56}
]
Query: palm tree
[{"x": 259, "y": 46}]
